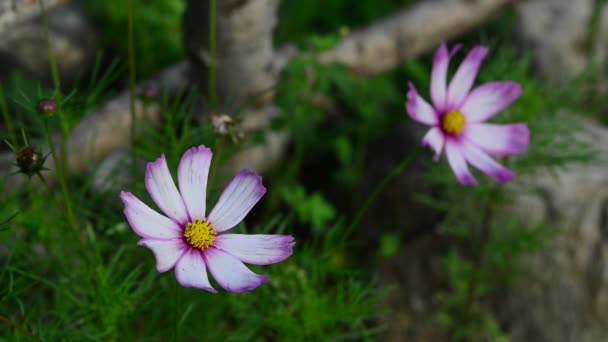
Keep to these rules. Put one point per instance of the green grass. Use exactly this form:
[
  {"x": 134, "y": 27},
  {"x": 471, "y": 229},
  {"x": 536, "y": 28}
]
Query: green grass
[{"x": 98, "y": 285}]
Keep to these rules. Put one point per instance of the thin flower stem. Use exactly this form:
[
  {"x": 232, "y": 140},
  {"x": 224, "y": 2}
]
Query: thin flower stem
[
  {"x": 395, "y": 172},
  {"x": 20, "y": 328},
  {"x": 7, "y": 118},
  {"x": 66, "y": 197},
  {"x": 212, "y": 51},
  {"x": 60, "y": 177},
  {"x": 49, "y": 45},
  {"x": 132, "y": 74},
  {"x": 57, "y": 85}
]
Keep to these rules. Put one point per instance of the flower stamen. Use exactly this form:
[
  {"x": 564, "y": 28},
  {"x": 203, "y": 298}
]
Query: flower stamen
[
  {"x": 453, "y": 122},
  {"x": 199, "y": 234}
]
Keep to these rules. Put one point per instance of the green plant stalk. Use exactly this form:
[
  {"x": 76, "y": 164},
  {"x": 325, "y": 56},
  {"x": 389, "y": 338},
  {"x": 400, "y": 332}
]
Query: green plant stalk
[
  {"x": 69, "y": 213},
  {"x": 57, "y": 85},
  {"x": 49, "y": 45},
  {"x": 131, "y": 52},
  {"x": 7, "y": 118},
  {"x": 60, "y": 177},
  {"x": 377, "y": 190},
  {"x": 212, "y": 51}
]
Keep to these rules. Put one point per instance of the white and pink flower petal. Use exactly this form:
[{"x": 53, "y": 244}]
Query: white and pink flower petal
[
  {"x": 166, "y": 252},
  {"x": 489, "y": 99},
  {"x": 499, "y": 140},
  {"x": 463, "y": 79},
  {"x": 192, "y": 175},
  {"x": 230, "y": 272},
  {"x": 487, "y": 165},
  {"x": 256, "y": 249},
  {"x": 243, "y": 192},
  {"x": 439, "y": 73},
  {"x": 146, "y": 222},
  {"x": 457, "y": 161},
  {"x": 435, "y": 139},
  {"x": 191, "y": 271},
  {"x": 419, "y": 109},
  {"x": 161, "y": 188}
]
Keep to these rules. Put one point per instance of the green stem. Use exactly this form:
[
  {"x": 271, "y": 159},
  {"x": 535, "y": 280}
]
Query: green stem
[
  {"x": 7, "y": 118},
  {"x": 57, "y": 85},
  {"x": 395, "y": 172},
  {"x": 69, "y": 213},
  {"x": 131, "y": 52},
  {"x": 60, "y": 177},
  {"x": 212, "y": 51},
  {"x": 49, "y": 45}
]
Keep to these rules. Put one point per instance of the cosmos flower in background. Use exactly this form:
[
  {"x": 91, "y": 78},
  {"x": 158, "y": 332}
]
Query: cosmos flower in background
[
  {"x": 193, "y": 242},
  {"x": 457, "y": 117}
]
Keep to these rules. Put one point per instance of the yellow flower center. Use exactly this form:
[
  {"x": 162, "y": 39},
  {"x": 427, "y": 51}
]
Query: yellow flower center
[
  {"x": 199, "y": 234},
  {"x": 453, "y": 122}
]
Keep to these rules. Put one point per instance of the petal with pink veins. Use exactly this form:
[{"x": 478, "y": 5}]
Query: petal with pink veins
[
  {"x": 435, "y": 140},
  {"x": 489, "y": 99},
  {"x": 191, "y": 271},
  {"x": 419, "y": 109},
  {"x": 499, "y": 140},
  {"x": 146, "y": 222},
  {"x": 163, "y": 191},
  {"x": 463, "y": 79},
  {"x": 230, "y": 272},
  {"x": 192, "y": 176},
  {"x": 439, "y": 73},
  {"x": 166, "y": 252},
  {"x": 243, "y": 192},
  {"x": 458, "y": 163},
  {"x": 487, "y": 165},
  {"x": 256, "y": 249}
]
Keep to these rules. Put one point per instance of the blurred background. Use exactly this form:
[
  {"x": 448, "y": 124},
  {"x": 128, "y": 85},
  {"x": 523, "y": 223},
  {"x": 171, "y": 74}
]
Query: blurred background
[{"x": 311, "y": 94}]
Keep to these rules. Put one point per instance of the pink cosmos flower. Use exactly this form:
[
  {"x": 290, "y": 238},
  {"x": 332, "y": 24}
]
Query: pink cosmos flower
[
  {"x": 458, "y": 114},
  {"x": 191, "y": 241}
]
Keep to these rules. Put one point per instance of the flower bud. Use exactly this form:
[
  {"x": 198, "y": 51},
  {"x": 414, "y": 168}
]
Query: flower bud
[
  {"x": 46, "y": 106},
  {"x": 30, "y": 161}
]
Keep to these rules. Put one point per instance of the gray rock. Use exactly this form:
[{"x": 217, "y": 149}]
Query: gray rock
[
  {"x": 565, "y": 295},
  {"x": 557, "y": 32},
  {"x": 113, "y": 174},
  {"x": 561, "y": 293},
  {"x": 75, "y": 42}
]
